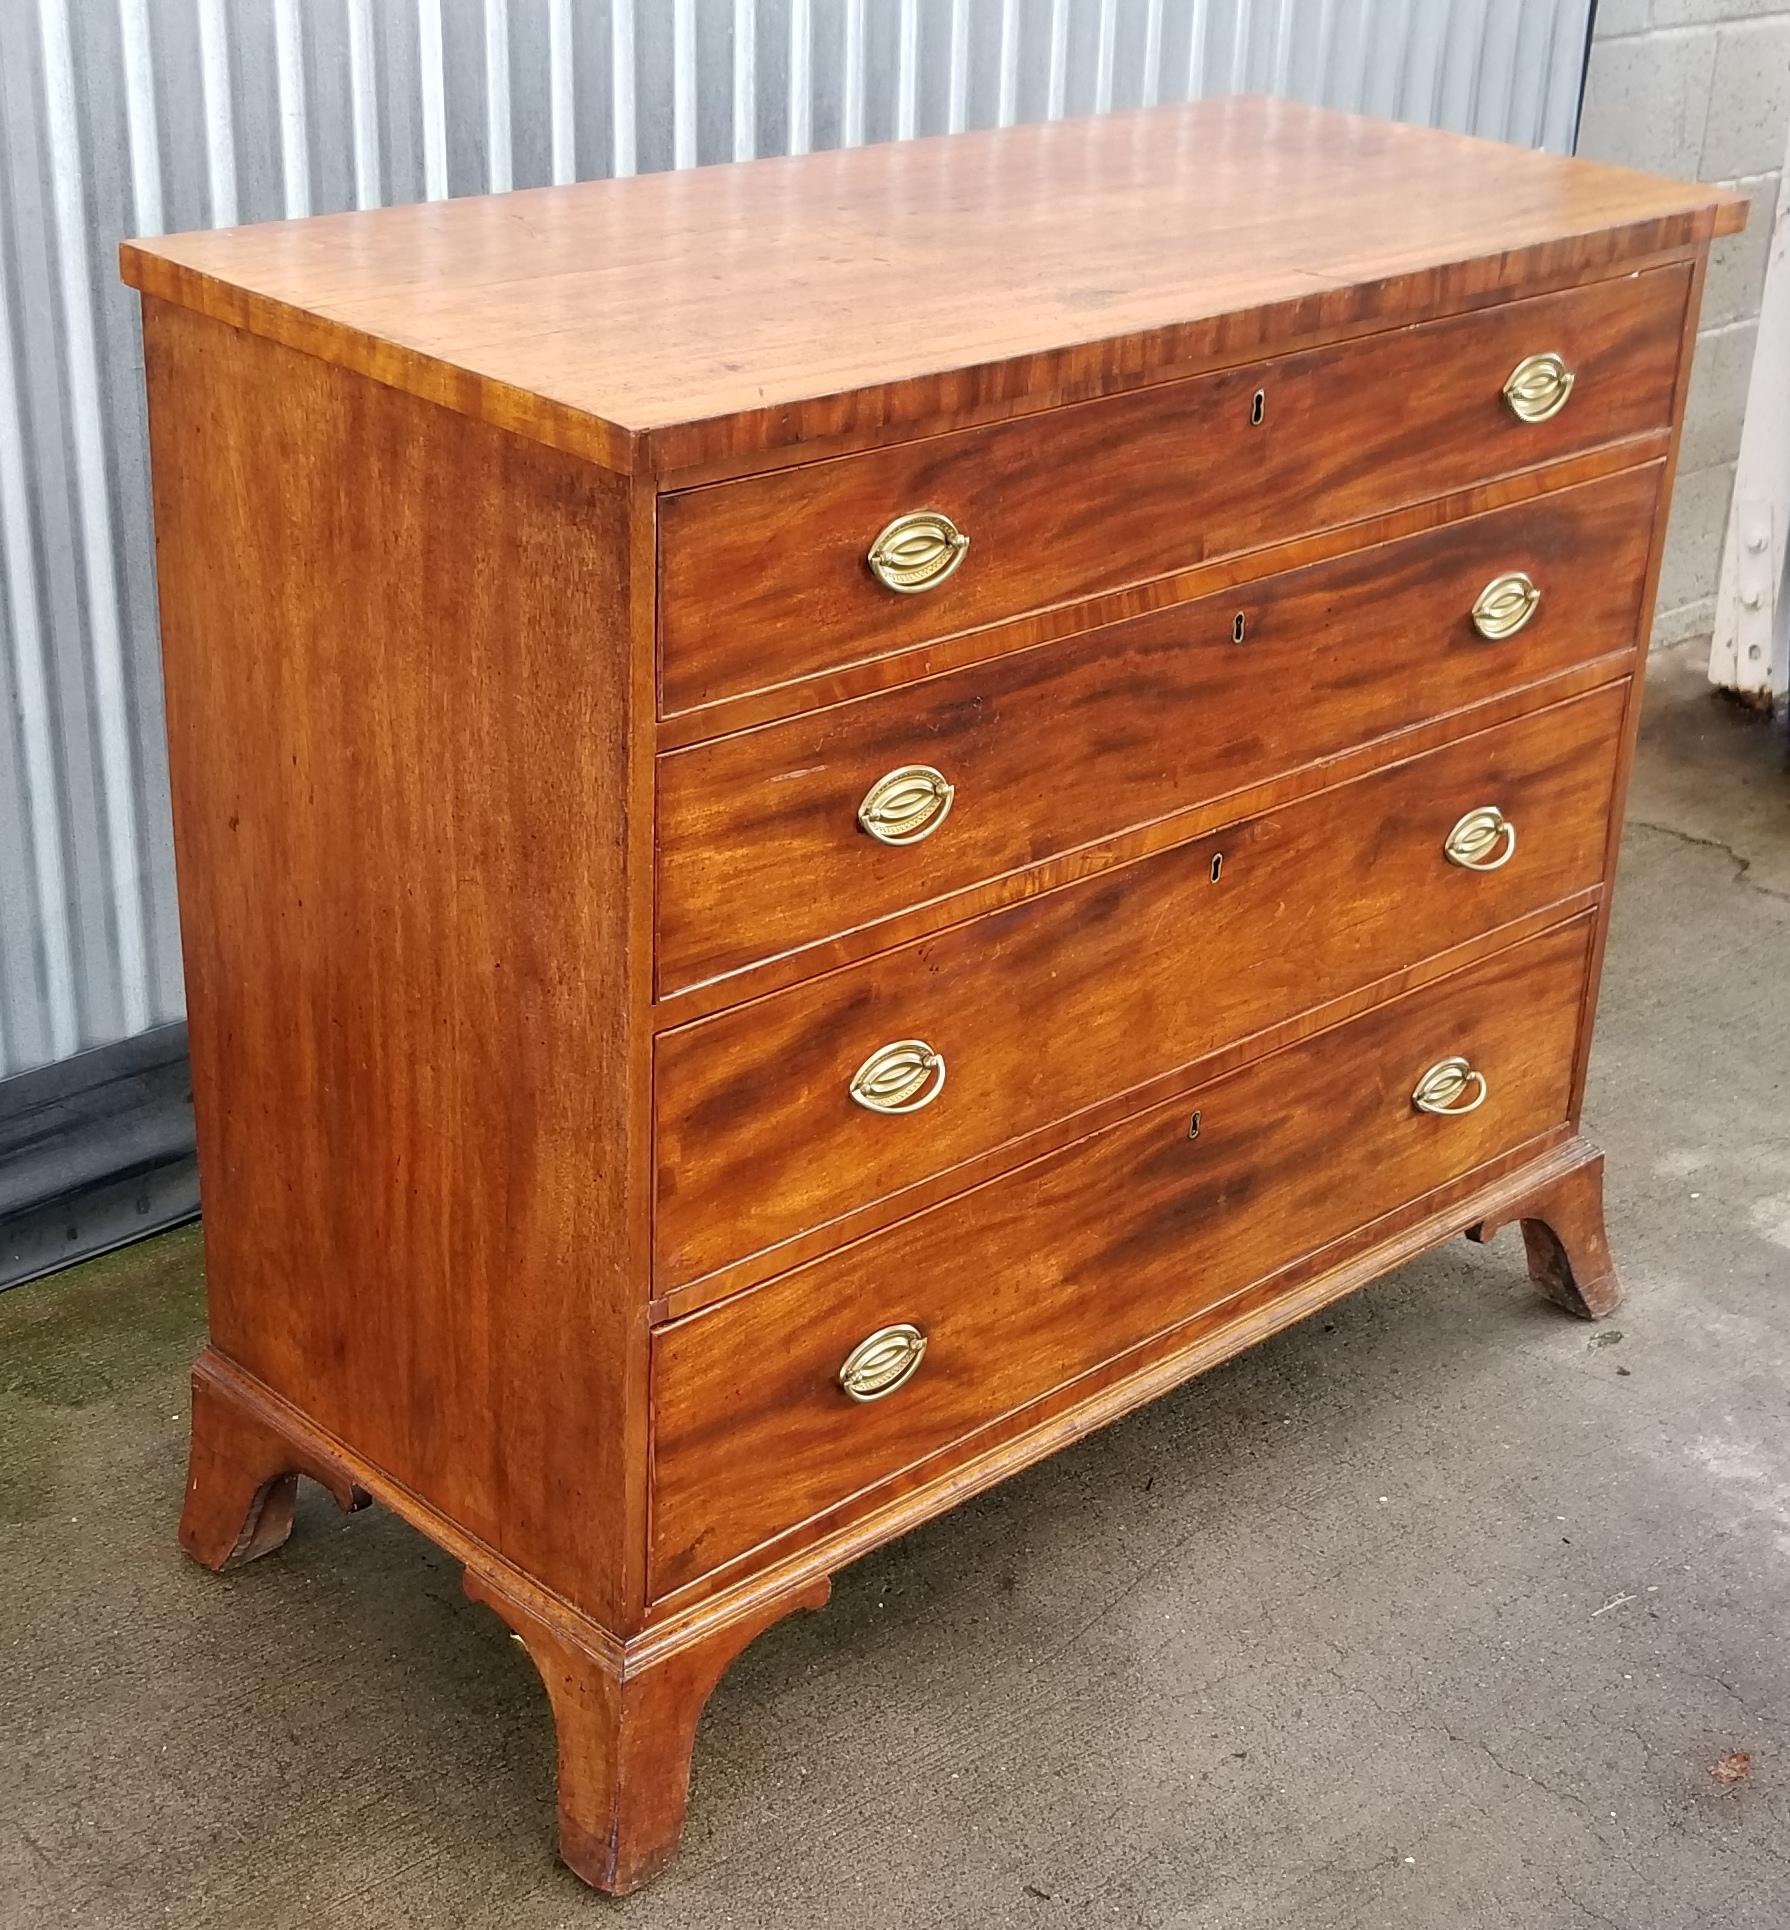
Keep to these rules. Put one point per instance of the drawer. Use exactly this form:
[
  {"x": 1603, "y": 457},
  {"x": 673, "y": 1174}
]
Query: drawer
[
  {"x": 1025, "y": 1283},
  {"x": 767, "y": 579},
  {"x": 760, "y": 846},
  {"x": 1014, "y": 1021}
]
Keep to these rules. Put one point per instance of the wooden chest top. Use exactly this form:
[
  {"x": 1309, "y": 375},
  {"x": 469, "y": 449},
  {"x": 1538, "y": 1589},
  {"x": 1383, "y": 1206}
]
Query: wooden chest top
[{"x": 717, "y": 315}]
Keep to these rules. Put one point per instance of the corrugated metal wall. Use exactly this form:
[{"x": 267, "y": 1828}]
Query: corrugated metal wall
[{"x": 124, "y": 117}]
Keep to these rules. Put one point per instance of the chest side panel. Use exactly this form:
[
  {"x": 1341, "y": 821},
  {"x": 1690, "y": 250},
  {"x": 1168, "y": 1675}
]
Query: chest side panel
[{"x": 397, "y": 661}]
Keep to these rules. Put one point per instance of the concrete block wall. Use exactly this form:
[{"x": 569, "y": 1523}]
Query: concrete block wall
[{"x": 1700, "y": 88}]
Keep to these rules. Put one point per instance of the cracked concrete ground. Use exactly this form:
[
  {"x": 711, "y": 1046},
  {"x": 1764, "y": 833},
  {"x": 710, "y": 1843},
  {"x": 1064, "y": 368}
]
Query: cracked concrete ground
[{"x": 1437, "y": 1612}]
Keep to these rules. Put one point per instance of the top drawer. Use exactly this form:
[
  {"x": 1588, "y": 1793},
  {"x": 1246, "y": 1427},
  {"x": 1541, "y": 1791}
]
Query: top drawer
[{"x": 767, "y": 579}]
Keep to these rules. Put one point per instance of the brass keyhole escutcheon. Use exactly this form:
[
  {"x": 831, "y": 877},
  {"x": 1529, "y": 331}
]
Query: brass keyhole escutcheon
[{"x": 918, "y": 551}]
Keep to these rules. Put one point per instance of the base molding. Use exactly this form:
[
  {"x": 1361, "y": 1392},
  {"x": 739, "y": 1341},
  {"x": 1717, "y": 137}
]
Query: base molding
[{"x": 625, "y": 1708}]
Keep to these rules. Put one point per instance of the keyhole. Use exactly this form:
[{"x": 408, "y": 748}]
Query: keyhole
[
  {"x": 1193, "y": 1127},
  {"x": 1259, "y": 407},
  {"x": 1217, "y": 865},
  {"x": 1237, "y": 627}
]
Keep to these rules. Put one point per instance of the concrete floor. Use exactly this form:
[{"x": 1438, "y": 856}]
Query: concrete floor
[{"x": 1440, "y": 1611}]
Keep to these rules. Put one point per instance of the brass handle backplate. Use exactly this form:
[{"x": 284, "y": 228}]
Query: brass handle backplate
[
  {"x": 1505, "y": 604},
  {"x": 907, "y": 805},
  {"x": 917, "y": 551},
  {"x": 1537, "y": 387},
  {"x": 1484, "y": 840},
  {"x": 883, "y": 1361},
  {"x": 902, "y": 1076},
  {"x": 1444, "y": 1088}
]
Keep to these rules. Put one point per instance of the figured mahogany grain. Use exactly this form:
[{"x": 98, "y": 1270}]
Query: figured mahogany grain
[
  {"x": 1052, "y": 1005},
  {"x": 764, "y": 579},
  {"x": 723, "y": 311},
  {"x": 1275, "y": 557},
  {"x": 1036, "y": 1278},
  {"x": 401, "y": 735},
  {"x": 760, "y": 852}
]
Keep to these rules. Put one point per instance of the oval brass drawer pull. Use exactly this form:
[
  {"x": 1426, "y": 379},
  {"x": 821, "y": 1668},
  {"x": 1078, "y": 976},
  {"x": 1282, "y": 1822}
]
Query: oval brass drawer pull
[
  {"x": 1505, "y": 604},
  {"x": 1537, "y": 387},
  {"x": 1442, "y": 1089},
  {"x": 917, "y": 551},
  {"x": 1484, "y": 840},
  {"x": 907, "y": 805},
  {"x": 884, "y": 1361},
  {"x": 902, "y": 1076}
]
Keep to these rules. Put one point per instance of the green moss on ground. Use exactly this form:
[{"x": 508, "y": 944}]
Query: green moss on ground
[{"x": 95, "y": 1331}]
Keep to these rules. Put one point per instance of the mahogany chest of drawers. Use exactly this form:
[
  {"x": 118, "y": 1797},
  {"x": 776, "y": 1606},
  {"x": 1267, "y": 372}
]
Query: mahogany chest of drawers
[{"x": 837, "y": 817}]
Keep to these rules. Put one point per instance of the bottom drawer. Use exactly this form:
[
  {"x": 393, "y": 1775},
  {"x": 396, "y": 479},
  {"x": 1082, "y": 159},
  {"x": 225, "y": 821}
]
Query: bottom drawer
[{"x": 1034, "y": 1278}]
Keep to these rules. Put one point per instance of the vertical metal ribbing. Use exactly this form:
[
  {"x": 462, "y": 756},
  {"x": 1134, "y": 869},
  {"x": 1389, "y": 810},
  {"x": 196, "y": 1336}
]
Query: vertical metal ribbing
[
  {"x": 683, "y": 83},
  {"x": 1105, "y": 47},
  {"x": 801, "y": 61},
  {"x": 1349, "y": 76},
  {"x": 60, "y": 1014},
  {"x": 561, "y": 101},
  {"x": 141, "y": 125},
  {"x": 1429, "y": 64},
  {"x": 851, "y": 77},
  {"x": 289, "y": 85},
  {"x": 1241, "y": 19},
  {"x": 1197, "y": 29},
  {"x": 1283, "y": 47},
  {"x": 624, "y": 155},
  {"x": 1326, "y": 43},
  {"x": 500, "y": 146},
  {"x": 363, "y": 104},
  {"x": 745, "y": 79},
  {"x": 957, "y": 73},
  {"x": 1057, "y": 92},
  {"x": 99, "y": 574},
  {"x": 1150, "y": 82},
  {"x": 431, "y": 78},
  {"x": 1007, "y": 98},
  {"x": 1558, "y": 120},
  {"x": 907, "y": 69},
  {"x": 1467, "y": 43},
  {"x": 216, "y": 107}
]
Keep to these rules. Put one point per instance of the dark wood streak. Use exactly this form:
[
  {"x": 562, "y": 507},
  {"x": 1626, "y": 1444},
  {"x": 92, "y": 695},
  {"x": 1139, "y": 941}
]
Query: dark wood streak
[
  {"x": 1050, "y": 748},
  {"x": 1080, "y": 1255},
  {"x": 764, "y": 579},
  {"x": 1046, "y": 1007}
]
